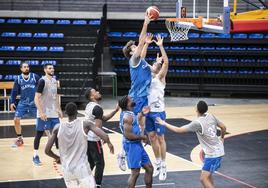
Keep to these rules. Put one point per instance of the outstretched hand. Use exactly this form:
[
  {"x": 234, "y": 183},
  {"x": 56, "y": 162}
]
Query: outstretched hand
[
  {"x": 145, "y": 110},
  {"x": 160, "y": 121},
  {"x": 149, "y": 38},
  {"x": 159, "y": 40},
  {"x": 147, "y": 19},
  {"x": 158, "y": 58}
]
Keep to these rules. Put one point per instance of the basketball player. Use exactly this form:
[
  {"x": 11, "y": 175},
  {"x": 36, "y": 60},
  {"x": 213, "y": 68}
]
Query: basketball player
[
  {"x": 48, "y": 108},
  {"x": 25, "y": 86},
  {"x": 157, "y": 109},
  {"x": 94, "y": 113},
  {"x": 72, "y": 139},
  {"x": 205, "y": 128},
  {"x": 132, "y": 143}
]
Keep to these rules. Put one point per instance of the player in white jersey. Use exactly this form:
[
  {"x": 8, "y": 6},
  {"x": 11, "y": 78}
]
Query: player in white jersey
[
  {"x": 72, "y": 138},
  {"x": 157, "y": 109},
  {"x": 205, "y": 127}
]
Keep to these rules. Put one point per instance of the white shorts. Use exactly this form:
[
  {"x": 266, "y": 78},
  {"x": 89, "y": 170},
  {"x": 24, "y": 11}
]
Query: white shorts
[{"x": 88, "y": 182}]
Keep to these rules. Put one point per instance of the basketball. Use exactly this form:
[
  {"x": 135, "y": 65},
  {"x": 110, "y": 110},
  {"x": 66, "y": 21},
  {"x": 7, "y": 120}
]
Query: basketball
[{"x": 153, "y": 12}]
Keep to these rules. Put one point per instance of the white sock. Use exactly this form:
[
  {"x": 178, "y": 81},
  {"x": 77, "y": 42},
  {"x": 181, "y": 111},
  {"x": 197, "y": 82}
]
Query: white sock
[
  {"x": 35, "y": 153},
  {"x": 163, "y": 163},
  {"x": 158, "y": 160}
]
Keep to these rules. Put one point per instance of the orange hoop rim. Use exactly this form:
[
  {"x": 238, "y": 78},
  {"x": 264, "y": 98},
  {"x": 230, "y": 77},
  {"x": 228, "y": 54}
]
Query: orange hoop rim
[{"x": 198, "y": 22}]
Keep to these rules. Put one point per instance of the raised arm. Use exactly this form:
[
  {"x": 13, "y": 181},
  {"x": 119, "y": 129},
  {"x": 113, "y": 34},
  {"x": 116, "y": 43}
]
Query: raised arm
[
  {"x": 106, "y": 117},
  {"x": 128, "y": 130},
  {"x": 164, "y": 69},
  {"x": 171, "y": 127},
  {"x": 50, "y": 143},
  {"x": 148, "y": 41}
]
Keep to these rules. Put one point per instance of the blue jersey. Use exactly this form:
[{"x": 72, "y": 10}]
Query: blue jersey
[
  {"x": 135, "y": 125},
  {"x": 141, "y": 77},
  {"x": 26, "y": 88}
]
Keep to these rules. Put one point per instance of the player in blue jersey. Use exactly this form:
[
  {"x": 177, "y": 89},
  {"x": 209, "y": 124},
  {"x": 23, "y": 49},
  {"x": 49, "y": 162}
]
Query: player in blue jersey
[
  {"x": 25, "y": 86},
  {"x": 132, "y": 143}
]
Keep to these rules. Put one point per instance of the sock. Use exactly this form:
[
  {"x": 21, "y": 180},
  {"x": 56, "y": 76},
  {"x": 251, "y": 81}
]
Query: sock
[
  {"x": 19, "y": 135},
  {"x": 35, "y": 153},
  {"x": 158, "y": 160},
  {"x": 163, "y": 163}
]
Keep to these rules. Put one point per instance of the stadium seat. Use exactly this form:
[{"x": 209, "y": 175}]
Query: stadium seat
[
  {"x": 63, "y": 22},
  {"x": 14, "y": 21},
  {"x": 24, "y": 35},
  {"x": 247, "y": 60},
  {"x": 1, "y": 62},
  {"x": 176, "y": 47},
  {"x": 239, "y": 48},
  {"x": 115, "y": 34},
  {"x": 265, "y": 48},
  {"x": 40, "y": 49},
  {"x": 165, "y": 35},
  {"x": 30, "y": 21},
  {"x": 47, "y": 22},
  {"x": 24, "y": 48},
  {"x": 32, "y": 62},
  {"x": 7, "y": 48},
  {"x": 2, "y": 20},
  {"x": 214, "y": 59},
  {"x": 207, "y": 48},
  {"x": 130, "y": 34},
  {"x": 254, "y": 48},
  {"x": 53, "y": 62},
  {"x": 191, "y": 47},
  {"x": 207, "y": 35},
  {"x": 13, "y": 62},
  {"x": 56, "y": 49},
  {"x": 56, "y": 35},
  {"x": 230, "y": 60},
  {"x": 193, "y": 35},
  {"x": 255, "y": 36},
  {"x": 8, "y": 34},
  {"x": 40, "y": 35},
  {"x": 240, "y": 35},
  {"x": 80, "y": 22},
  {"x": 94, "y": 22},
  {"x": 223, "y": 48},
  {"x": 223, "y": 36}
]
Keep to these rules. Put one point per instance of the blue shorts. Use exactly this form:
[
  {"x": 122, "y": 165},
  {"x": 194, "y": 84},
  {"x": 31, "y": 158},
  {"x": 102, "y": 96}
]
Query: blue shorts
[
  {"x": 136, "y": 155},
  {"x": 25, "y": 109},
  {"x": 151, "y": 125},
  {"x": 140, "y": 103},
  {"x": 46, "y": 125},
  {"x": 212, "y": 164}
]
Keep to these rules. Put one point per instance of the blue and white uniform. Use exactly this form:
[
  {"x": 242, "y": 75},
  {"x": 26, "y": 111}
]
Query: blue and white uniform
[
  {"x": 26, "y": 89},
  {"x": 140, "y": 76},
  {"x": 136, "y": 155}
]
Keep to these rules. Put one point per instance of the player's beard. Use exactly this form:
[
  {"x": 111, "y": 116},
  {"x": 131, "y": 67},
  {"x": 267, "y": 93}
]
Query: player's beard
[
  {"x": 100, "y": 98},
  {"x": 26, "y": 73},
  {"x": 50, "y": 74},
  {"x": 133, "y": 104}
]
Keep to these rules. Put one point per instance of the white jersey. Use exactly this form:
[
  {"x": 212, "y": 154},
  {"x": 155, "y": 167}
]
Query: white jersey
[
  {"x": 156, "y": 99},
  {"x": 210, "y": 142},
  {"x": 73, "y": 150},
  {"x": 89, "y": 116}
]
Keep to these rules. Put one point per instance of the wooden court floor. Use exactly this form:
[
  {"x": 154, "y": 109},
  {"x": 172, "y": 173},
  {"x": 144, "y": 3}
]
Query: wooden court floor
[{"x": 16, "y": 163}]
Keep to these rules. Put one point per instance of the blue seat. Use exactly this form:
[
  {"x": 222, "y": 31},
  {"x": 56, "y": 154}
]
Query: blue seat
[
  {"x": 24, "y": 35},
  {"x": 266, "y": 36},
  {"x": 1, "y": 77},
  {"x": 255, "y": 36},
  {"x": 1, "y": 62},
  {"x": 30, "y": 21},
  {"x": 165, "y": 35},
  {"x": 40, "y": 48},
  {"x": 254, "y": 48},
  {"x": 207, "y": 48},
  {"x": 56, "y": 49},
  {"x": 116, "y": 47},
  {"x": 176, "y": 47},
  {"x": 115, "y": 34},
  {"x": 24, "y": 48},
  {"x": 240, "y": 35},
  {"x": 40, "y": 35},
  {"x": 63, "y": 22},
  {"x": 223, "y": 48},
  {"x": 265, "y": 48},
  {"x": 2, "y": 20},
  {"x": 47, "y": 22},
  {"x": 10, "y": 77},
  {"x": 262, "y": 60},
  {"x": 191, "y": 47},
  {"x": 247, "y": 60},
  {"x": 230, "y": 60},
  {"x": 130, "y": 34},
  {"x": 13, "y": 62},
  {"x": 94, "y": 22},
  {"x": 56, "y": 35},
  {"x": 239, "y": 48},
  {"x": 223, "y": 36},
  {"x": 193, "y": 35},
  {"x": 53, "y": 62},
  {"x": 8, "y": 34},
  {"x": 14, "y": 21},
  {"x": 80, "y": 22},
  {"x": 214, "y": 59},
  {"x": 207, "y": 35},
  {"x": 7, "y": 48},
  {"x": 32, "y": 62}
]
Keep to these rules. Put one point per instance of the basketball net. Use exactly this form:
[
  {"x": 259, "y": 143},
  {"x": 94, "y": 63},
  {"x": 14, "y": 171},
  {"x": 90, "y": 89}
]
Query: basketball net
[{"x": 178, "y": 30}]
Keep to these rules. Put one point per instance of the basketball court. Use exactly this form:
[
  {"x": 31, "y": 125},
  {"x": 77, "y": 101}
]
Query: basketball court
[{"x": 237, "y": 90}]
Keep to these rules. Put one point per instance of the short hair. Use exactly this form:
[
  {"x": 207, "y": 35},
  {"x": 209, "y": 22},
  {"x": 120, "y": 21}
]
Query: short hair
[
  {"x": 127, "y": 48},
  {"x": 23, "y": 62},
  {"x": 88, "y": 93},
  {"x": 47, "y": 64},
  {"x": 202, "y": 107},
  {"x": 71, "y": 109},
  {"x": 123, "y": 102}
]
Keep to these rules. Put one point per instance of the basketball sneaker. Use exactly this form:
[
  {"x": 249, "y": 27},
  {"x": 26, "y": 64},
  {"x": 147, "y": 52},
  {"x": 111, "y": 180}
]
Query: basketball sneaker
[
  {"x": 37, "y": 161},
  {"x": 121, "y": 160},
  {"x": 157, "y": 167},
  {"x": 19, "y": 142},
  {"x": 163, "y": 173}
]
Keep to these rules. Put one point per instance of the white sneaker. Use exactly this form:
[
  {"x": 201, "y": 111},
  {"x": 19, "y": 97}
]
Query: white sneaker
[
  {"x": 121, "y": 160},
  {"x": 163, "y": 173},
  {"x": 157, "y": 168}
]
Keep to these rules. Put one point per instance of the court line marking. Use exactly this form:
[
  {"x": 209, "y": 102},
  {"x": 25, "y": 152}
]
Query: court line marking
[{"x": 157, "y": 184}]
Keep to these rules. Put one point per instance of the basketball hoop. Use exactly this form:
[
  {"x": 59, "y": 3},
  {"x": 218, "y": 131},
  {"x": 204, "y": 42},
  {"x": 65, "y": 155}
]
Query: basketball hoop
[{"x": 179, "y": 27}]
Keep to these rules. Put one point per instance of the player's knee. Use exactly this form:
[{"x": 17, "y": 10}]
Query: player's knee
[
  {"x": 161, "y": 139},
  {"x": 135, "y": 172},
  {"x": 152, "y": 137},
  {"x": 203, "y": 178}
]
